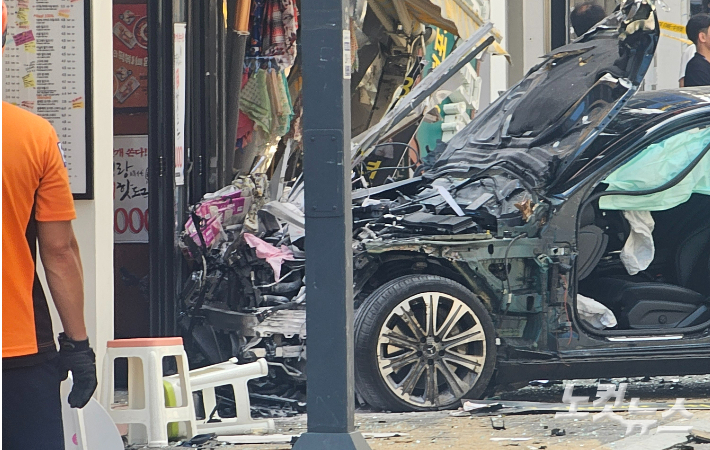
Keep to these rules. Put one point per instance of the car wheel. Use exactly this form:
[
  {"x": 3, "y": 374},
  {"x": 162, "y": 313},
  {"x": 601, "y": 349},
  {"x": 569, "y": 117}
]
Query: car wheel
[{"x": 422, "y": 342}]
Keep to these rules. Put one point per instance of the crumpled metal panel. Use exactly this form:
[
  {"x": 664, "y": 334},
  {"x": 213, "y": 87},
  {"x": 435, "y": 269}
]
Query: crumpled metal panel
[
  {"x": 580, "y": 88},
  {"x": 288, "y": 322}
]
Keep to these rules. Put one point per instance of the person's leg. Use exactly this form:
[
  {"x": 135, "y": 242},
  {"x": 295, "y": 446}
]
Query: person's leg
[{"x": 31, "y": 408}]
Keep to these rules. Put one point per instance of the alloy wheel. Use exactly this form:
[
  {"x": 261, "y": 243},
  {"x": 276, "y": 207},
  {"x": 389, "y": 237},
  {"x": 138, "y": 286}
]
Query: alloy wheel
[{"x": 431, "y": 349}]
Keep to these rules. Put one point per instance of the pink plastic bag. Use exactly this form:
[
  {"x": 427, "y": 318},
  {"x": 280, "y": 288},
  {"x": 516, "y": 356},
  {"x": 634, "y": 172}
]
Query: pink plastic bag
[{"x": 274, "y": 256}]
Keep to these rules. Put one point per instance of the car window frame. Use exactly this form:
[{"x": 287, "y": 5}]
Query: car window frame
[{"x": 628, "y": 147}]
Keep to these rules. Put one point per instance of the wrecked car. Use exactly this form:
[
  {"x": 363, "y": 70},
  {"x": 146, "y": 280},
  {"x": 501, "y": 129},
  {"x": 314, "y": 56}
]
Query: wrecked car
[{"x": 564, "y": 233}]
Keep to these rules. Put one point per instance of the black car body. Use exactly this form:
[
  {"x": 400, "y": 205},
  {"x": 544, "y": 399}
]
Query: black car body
[{"x": 470, "y": 275}]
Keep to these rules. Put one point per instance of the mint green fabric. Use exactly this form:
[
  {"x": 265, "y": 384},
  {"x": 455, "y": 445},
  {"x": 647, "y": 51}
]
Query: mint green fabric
[{"x": 655, "y": 166}]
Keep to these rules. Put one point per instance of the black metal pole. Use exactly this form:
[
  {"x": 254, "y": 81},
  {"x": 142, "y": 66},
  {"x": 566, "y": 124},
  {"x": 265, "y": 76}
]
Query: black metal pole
[
  {"x": 329, "y": 282},
  {"x": 161, "y": 163},
  {"x": 235, "y": 62}
]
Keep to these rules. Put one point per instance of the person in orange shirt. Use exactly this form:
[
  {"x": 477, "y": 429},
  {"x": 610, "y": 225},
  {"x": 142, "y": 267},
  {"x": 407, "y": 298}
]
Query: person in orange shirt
[{"x": 37, "y": 207}]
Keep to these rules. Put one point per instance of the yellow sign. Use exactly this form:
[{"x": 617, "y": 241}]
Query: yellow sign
[
  {"x": 372, "y": 167},
  {"x": 31, "y": 47}
]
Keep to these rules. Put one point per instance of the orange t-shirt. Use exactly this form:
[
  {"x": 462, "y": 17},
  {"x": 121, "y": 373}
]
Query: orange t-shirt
[{"x": 35, "y": 187}]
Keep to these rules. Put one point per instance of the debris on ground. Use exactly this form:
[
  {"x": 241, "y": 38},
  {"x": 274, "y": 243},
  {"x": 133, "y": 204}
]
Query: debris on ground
[
  {"x": 701, "y": 437},
  {"x": 498, "y": 423},
  {"x": 198, "y": 440}
]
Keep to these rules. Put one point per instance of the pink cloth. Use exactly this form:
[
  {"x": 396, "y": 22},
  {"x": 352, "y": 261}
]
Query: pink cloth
[{"x": 274, "y": 256}]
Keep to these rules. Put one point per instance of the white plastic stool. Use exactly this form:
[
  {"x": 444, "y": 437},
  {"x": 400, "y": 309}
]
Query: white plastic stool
[
  {"x": 146, "y": 398},
  {"x": 227, "y": 374}
]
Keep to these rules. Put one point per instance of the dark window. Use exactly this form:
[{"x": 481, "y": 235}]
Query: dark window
[{"x": 698, "y": 6}]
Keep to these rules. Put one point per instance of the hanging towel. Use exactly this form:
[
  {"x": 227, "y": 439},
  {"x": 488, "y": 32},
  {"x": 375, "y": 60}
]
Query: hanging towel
[
  {"x": 245, "y": 126},
  {"x": 287, "y": 115},
  {"x": 255, "y": 101}
]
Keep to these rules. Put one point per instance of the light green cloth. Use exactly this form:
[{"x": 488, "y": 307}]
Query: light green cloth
[
  {"x": 655, "y": 166},
  {"x": 255, "y": 103}
]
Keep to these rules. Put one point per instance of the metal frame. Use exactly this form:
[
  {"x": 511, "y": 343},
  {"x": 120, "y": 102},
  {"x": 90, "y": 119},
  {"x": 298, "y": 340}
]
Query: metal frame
[
  {"x": 161, "y": 162},
  {"x": 89, "y": 112}
]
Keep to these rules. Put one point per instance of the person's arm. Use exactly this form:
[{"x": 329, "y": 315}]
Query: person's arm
[
  {"x": 59, "y": 251},
  {"x": 681, "y": 82}
]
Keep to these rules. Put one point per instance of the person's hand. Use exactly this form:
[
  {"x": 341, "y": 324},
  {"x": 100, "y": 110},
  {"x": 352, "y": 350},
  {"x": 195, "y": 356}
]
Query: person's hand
[{"x": 78, "y": 357}]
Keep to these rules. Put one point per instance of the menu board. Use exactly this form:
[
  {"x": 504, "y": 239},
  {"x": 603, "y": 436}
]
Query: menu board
[{"x": 44, "y": 71}]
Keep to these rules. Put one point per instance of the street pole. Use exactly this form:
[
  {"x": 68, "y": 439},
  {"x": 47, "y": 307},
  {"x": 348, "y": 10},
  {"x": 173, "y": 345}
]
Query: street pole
[{"x": 325, "y": 35}]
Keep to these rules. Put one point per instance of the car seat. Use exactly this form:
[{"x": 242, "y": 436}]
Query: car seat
[
  {"x": 591, "y": 243},
  {"x": 649, "y": 305}
]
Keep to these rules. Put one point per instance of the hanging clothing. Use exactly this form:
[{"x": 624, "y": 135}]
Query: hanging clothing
[
  {"x": 281, "y": 108},
  {"x": 255, "y": 101},
  {"x": 245, "y": 126},
  {"x": 257, "y": 28},
  {"x": 286, "y": 116},
  {"x": 281, "y": 31}
]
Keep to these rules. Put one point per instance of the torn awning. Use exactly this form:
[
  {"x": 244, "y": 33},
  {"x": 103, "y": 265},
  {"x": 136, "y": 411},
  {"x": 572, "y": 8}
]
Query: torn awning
[{"x": 454, "y": 16}]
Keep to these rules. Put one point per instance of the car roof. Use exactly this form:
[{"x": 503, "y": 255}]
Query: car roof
[{"x": 648, "y": 107}]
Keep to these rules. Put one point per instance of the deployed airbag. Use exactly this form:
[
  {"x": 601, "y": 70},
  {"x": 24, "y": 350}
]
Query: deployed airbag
[
  {"x": 639, "y": 250},
  {"x": 656, "y": 165},
  {"x": 594, "y": 313}
]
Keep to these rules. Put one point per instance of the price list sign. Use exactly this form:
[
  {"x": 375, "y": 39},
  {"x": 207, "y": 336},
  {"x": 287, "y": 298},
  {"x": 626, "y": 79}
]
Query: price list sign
[{"x": 44, "y": 71}]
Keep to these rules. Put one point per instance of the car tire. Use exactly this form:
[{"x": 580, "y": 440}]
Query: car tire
[{"x": 402, "y": 363}]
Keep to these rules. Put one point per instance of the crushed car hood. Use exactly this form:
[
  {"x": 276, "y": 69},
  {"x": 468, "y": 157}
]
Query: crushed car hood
[{"x": 552, "y": 116}]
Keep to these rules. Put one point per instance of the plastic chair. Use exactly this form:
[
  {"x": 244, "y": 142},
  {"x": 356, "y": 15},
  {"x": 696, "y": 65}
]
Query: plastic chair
[
  {"x": 146, "y": 415},
  {"x": 227, "y": 374}
]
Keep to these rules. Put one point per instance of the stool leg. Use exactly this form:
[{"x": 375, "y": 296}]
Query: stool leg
[
  {"x": 107, "y": 385},
  {"x": 184, "y": 371},
  {"x": 241, "y": 401},
  {"x": 209, "y": 400},
  {"x": 157, "y": 423},
  {"x": 137, "y": 433}
]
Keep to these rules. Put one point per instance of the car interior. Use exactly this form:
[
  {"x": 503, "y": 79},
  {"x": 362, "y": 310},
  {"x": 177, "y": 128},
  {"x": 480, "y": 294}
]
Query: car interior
[
  {"x": 674, "y": 291},
  {"x": 662, "y": 282}
]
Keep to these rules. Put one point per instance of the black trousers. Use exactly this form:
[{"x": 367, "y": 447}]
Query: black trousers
[{"x": 31, "y": 407}]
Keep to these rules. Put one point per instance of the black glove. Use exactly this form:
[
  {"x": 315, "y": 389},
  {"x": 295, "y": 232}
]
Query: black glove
[{"x": 78, "y": 357}]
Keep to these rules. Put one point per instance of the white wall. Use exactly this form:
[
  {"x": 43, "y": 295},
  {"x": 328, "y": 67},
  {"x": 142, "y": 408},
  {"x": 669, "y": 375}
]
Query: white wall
[
  {"x": 527, "y": 35},
  {"x": 664, "y": 74},
  {"x": 94, "y": 224},
  {"x": 498, "y": 77},
  {"x": 526, "y": 29}
]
